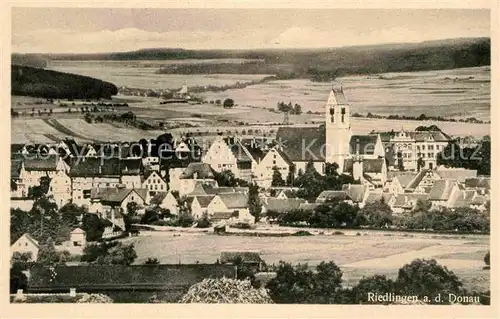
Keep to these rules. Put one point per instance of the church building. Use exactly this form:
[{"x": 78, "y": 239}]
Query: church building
[{"x": 362, "y": 156}]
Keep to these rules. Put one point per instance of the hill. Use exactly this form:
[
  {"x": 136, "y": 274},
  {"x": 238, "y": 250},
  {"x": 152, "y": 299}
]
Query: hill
[{"x": 36, "y": 82}]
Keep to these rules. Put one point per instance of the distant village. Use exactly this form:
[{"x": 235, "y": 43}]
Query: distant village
[{"x": 398, "y": 167}]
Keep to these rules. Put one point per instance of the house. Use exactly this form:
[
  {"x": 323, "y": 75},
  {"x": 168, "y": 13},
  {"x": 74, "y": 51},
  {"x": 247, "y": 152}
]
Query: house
[
  {"x": 230, "y": 207},
  {"x": 60, "y": 189},
  {"x": 332, "y": 142},
  {"x": 154, "y": 183},
  {"x": 481, "y": 184},
  {"x": 106, "y": 200},
  {"x": 356, "y": 192},
  {"x": 333, "y": 196},
  {"x": 377, "y": 196},
  {"x": 204, "y": 188},
  {"x": 406, "y": 202},
  {"x": 281, "y": 206},
  {"x": 422, "y": 182},
  {"x": 283, "y": 192},
  {"x": 397, "y": 182},
  {"x": 76, "y": 243},
  {"x": 369, "y": 171},
  {"x": 442, "y": 191},
  {"x": 199, "y": 205},
  {"x": 167, "y": 201},
  {"x": 26, "y": 244},
  {"x": 410, "y": 146},
  {"x": 459, "y": 174},
  {"x": 18, "y": 189},
  {"x": 249, "y": 258},
  {"x": 37, "y": 167},
  {"x": 192, "y": 175},
  {"x": 89, "y": 173},
  {"x": 264, "y": 170},
  {"x": 230, "y": 154}
]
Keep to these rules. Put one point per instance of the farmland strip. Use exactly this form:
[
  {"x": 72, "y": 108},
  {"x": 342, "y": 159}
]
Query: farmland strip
[{"x": 63, "y": 129}]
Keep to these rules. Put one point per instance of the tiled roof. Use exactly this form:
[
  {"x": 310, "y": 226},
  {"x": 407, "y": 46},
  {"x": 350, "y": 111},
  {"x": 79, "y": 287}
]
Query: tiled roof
[
  {"x": 256, "y": 152},
  {"x": 302, "y": 144},
  {"x": 462, "y": 198},
  {"x": 115, "y": 195},
  {"x": 441, "y": 189},
  {"x": 30, "y": 239},
  {"x": 100, "y": 276},
  {"x": 478, "y": 182},
  {"x": 417, "y": 179},
  {"x": 338, "y": 94},
  {"x": 83, "y": 167},
  {"x": 41, "y": 163},
  {"x": 283, "y": 205},
  {"x": 234, "y": 200},
  {"x": 204, "y": 200},
  {"x": 246, "y": 256},
  {"x": 325, "y": 196},
  {"x": 402, "y": 200},
  {"x": 370, "y": 165},
  {"x": 202, "y": 171},
  {"x": 460, "y": 174},
  {"x": 373, "y": 196},
  {"x": 363, "y": 144},
  {"x": 405, "y": 179},
  {"x": 356, "y": 192}
]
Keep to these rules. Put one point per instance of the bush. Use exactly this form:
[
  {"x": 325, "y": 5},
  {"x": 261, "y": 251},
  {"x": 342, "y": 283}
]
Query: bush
[
  {"x": 152, "y": 261},
  {"x": 203, "y": 222},
  {"x": 302, "y": 233},
  {"x": 426, "y": 278}
]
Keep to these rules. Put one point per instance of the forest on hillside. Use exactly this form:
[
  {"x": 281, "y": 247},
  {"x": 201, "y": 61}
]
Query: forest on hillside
[{"x": 37, "y": 82}]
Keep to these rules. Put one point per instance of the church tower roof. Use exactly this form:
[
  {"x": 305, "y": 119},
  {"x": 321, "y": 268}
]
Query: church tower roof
[{"x": 337, "y": 96}]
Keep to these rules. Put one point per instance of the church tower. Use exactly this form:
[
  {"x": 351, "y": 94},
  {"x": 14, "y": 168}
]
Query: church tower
[{"x": 337, "y": 127}]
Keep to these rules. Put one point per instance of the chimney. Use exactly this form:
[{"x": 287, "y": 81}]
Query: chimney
[
  {"x": 357, "y": 168},
  {"x": 100, "y": 169}
]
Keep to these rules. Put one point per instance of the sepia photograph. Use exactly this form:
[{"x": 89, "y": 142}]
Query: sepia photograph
[{"x": 286, "y": 156}]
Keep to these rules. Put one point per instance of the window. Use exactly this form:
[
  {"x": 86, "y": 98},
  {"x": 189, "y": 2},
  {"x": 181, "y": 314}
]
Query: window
[
  {"x": 161, "y": 187},
  {"x": 423, "y": 147},
  {"x": 438, "y": 147},
  {"x": 431, "y": 147},
  {"x": 343, "y": 114},
  {"x": 219, "y": 166},
  {"x": 156, "y": 187},
  {"x": 429, "y": 155},
  {"x": 274, "y": 162}
]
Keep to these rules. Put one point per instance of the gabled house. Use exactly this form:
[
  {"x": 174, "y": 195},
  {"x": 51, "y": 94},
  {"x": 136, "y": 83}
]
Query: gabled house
[
  {"x": 333, "y": 196},
  {"x": 154, "y": 183},
  {"x": 230, "y": 207},
  {"x": 199, "y": 205},
  {"x": 356, "y": 192},
  {"x": 110, "y": 199},
  {"x": 406, "y": 202},
  {"x": 422, "y": 182},
  {"x": 264, "y": 170},
  {"x": 368, "y": 171},
  {"x": 378, "y": 195},
  {"x": 89, "y": 173},
  {"x": 481, "y": 184},
  {"x": 281, "y": 206},
  {"x": 167, "y": 201},
  {"x": 397, "y": 182},
  {"x": 192, "y": 175},
  {"x": 442, "y": 191},
  {"x": 37, "y": 167},
  {"x": 60, "y": 189},
  {"x": 26, "y": 244},
  {"x": 459, "y": 174}
]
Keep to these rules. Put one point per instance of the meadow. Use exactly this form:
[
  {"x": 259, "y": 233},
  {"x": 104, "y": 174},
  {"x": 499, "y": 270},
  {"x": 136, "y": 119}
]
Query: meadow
[
  {"x": 369, "y": 253},
  {"x": 142, "y": 74}
]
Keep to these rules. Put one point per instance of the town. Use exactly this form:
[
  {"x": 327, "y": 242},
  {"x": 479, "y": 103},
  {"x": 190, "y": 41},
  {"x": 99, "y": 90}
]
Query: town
[{"x": 240, "y": 183}]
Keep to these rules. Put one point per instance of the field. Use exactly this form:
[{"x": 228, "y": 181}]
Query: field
[
  {"x": 141, "y": 74},
  {"x": 365, "y": 255},
  {"x": 458, "y": 93}
]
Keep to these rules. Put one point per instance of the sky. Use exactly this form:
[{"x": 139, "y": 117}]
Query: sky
[{"x": 97, "y": 30}]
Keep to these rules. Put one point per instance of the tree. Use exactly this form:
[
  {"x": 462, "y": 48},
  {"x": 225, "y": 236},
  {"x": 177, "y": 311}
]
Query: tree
[
  {"x": 92, "y": 226},
  {"x": 277, "y": 178},
  {"x": 228, "y": 103},
  {"x": 300, "y": 285},
  {"x": 203, "y": 222},
  {"x": 47, "y": 254},
  {"x": 254, "y": 204},
  {"x": 376, "y": 284},
  {"x": 426, "y": 278},
  {"x": 377, "y": 214},
  {"x": 487, "y": 259},
  {"x": 152, "y": 261},
  {"x": 120, "y": 255}
]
